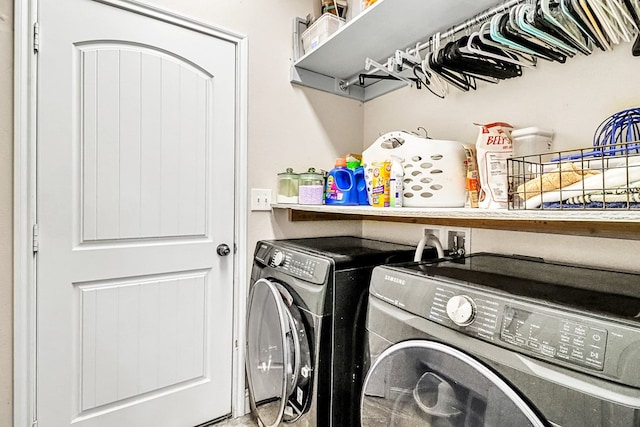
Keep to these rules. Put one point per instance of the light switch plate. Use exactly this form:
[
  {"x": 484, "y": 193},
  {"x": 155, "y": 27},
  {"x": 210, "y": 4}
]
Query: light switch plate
[{"x": 261, "y": 199}]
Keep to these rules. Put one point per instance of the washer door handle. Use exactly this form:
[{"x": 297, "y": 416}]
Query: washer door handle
[{"x": 223, "y": 249}]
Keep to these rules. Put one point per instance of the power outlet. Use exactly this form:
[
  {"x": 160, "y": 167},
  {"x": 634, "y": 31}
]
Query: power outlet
[{"x": 260, "y": 199}]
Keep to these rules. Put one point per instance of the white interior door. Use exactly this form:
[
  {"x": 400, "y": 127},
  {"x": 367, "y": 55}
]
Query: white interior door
[{"x": 135, "y": 155}]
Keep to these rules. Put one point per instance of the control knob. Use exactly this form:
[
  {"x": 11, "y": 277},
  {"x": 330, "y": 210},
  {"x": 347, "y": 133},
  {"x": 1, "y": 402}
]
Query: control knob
[
  {"x": 277, "y": 259},
  {"x": 461, "y": 310}
]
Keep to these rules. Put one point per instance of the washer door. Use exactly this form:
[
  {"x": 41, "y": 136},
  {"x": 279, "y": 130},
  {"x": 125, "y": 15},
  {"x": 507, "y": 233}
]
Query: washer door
[
  {"x": 424, "y": 383},
  {"x": 278, "y": 358}
]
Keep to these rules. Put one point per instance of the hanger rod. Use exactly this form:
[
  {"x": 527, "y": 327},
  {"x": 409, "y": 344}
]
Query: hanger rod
[{"x": 461, "y": 27}]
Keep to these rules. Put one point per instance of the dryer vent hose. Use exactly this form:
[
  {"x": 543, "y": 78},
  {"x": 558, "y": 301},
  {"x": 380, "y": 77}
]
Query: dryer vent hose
[{"x": 428, "y": 239}]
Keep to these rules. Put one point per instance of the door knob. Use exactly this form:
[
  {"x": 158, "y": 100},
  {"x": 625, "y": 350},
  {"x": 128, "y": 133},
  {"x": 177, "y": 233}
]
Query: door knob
[{"x": 223, "y": 249}]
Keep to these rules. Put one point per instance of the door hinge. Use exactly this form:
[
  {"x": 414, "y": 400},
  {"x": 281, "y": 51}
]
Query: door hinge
[
  {"x": 36, "y": 37},
  {"x": 34, "y": 423},
  {"x": 36, "y": 238}
]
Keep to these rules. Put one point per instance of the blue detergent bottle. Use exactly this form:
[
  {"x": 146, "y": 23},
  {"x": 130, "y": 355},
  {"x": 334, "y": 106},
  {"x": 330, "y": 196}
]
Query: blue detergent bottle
[
  {"x": 341, "y": 185},
  {"x": 361, "y": 186}
]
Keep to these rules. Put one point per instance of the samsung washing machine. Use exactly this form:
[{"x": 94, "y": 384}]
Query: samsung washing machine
[
  {"x": 493, "y": 340},
  {"x": 305, "y": 327}
]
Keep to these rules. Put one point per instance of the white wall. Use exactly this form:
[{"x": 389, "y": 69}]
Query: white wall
[
  {"x": 6, "y": 207},
  {"x": 289, "y": 126},
  {"x": 572, "y": 99}
]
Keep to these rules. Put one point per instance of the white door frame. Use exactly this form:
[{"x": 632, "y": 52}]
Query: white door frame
[{"x": 24, "y": 199}]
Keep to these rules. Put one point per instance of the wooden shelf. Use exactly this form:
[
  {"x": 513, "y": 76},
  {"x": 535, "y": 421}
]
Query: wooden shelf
[{"x": 609, "y": 224}]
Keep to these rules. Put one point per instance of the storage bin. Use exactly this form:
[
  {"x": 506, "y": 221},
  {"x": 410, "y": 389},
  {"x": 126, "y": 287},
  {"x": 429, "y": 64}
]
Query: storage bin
[
  {"x": 434, "y": 170},
  {"x": 320, "y": 30},
  {"x": 530, "y": 141}
]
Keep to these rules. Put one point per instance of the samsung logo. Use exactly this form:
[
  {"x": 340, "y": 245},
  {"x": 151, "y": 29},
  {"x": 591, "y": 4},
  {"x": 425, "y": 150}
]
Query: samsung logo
[{"x": 392, "y": 279}]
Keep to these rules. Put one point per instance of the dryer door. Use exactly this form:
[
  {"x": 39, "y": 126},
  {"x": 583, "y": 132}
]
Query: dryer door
[
  {"x": 278, "y": 361},
  {"x": 424, "y": 383}
]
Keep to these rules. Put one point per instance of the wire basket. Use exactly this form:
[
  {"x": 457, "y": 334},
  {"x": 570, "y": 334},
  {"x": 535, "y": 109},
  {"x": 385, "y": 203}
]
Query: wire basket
[{"x": 587, "y": 179}]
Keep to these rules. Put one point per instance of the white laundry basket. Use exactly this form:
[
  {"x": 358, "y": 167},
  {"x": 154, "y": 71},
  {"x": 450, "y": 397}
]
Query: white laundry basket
[{"x": 434, "y": 170}]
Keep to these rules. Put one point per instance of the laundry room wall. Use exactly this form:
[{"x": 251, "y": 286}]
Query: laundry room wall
[
  {"x": 289, "y": 126},
  {"x": 572, "y": 99},
  {"x": 6, "y": 207}
]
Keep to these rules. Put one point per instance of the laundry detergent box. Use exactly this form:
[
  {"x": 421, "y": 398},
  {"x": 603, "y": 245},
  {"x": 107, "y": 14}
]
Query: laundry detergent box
[{"x": 380, "y": 184}]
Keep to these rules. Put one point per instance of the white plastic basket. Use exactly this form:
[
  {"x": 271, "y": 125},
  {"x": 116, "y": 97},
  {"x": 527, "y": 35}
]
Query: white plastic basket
[
  {"x": 434, "y": 170},
  {"x": 320, "y": 31}
]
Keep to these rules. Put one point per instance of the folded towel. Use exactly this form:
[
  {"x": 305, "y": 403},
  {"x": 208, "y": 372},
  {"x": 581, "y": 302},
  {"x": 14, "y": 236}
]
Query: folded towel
[
  {"x": 566, "y": 174},
  {"x": 591, "y": 205}
]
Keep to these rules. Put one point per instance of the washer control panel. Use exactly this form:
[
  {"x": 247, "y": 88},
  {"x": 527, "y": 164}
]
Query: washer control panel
[
  {"x": 302, "y": 266},
  {"x": 547, "y": 335},
  {"x": 586, "y": 341}
]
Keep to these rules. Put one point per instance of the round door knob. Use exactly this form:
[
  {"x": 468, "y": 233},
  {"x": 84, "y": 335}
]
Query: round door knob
[
  {"x": 223, "y": 249},
  {"x": 461, "y": 310}
]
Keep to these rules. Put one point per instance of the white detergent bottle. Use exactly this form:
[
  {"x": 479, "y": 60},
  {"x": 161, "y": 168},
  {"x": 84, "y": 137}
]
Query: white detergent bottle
[{"x": 396, "y": 182}]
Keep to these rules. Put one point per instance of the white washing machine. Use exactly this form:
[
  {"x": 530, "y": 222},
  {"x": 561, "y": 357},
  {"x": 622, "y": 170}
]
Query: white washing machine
[{"x": 494, "y": 340}]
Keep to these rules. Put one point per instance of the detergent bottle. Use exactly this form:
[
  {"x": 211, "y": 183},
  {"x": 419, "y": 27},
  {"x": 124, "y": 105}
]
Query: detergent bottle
[
  {"x": 341, "y": 185},
  {"x": 396, "y": 182},
  {"x": 361, "y": 186}
]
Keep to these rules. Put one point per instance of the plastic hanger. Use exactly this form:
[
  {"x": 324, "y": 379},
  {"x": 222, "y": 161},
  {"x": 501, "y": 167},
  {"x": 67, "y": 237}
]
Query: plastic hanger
[
  {"x": 453, "y": 79},
  {"x": 609, "y": 26},
  {"x": 499, "y": 38},
  {"x": 523, "y": 11},
  {"x": 484, "y": 35},
  {"x": 579, "y": 13},
  {"x": 634, "y": 11},
  {"x": 586, "y": 8},
  {"x": 536, "y": 46},
  {"x": 437, "y": 85},
  {"x": 624, "y": 19},
  {"x": 476, "y": 46},
  {"x": 570, "y": 32},
  {"x": 481, "y": 67},
  {"x": 567, "y": 9}
]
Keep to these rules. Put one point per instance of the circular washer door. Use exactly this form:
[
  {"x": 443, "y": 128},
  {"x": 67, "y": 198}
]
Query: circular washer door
[
  {"x": 424, "y": 383},
  {"x": 278, "y": 361}
]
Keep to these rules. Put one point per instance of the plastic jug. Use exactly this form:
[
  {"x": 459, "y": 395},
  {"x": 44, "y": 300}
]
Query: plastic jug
[
  {"x": 361, "y": 186},
  {"x": 341, "y": 185},
  {"x": 396, "y": 181}
]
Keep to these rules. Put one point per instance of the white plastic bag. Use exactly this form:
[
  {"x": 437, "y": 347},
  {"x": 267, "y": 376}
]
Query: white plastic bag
[{"x": 493, "y": 147}]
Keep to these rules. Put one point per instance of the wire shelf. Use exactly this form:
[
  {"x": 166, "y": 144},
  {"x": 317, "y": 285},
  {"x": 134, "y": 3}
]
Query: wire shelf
[{"x": 606, "y": 178}]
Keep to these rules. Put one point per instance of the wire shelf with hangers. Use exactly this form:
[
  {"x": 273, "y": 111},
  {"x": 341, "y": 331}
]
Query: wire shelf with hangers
[
  {"x": 502, "y": 41},
  {"x": 498, "y": 42}
]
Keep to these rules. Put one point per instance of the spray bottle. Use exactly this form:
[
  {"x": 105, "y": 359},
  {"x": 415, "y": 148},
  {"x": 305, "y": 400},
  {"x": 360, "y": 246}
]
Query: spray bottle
[{"x": 396, "y": 182}]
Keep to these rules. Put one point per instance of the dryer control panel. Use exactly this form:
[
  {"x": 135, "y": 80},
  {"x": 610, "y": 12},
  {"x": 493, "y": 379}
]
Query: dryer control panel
[{"x": 302, "y": 266}]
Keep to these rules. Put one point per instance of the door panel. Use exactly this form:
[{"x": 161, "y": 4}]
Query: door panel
[
  {"x": 136, "y": 128},
  {"x": 161, "y": 156}
]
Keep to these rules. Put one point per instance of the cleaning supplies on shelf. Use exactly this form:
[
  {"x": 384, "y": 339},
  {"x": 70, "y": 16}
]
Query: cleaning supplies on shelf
[
  {"x": 434, "y": 170},
  {"x": 361, "y": 186},
  {"x": 341, "y": 185},
  {"x": 380, "y": 184},
  {"x": 396, "y": 180}
]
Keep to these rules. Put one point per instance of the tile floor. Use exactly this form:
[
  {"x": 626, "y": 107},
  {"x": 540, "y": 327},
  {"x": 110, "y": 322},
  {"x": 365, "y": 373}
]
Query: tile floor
[{"x": 245, "y": 421}]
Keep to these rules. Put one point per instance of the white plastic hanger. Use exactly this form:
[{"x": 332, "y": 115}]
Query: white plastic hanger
[{"x": 471, "y": 47}]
